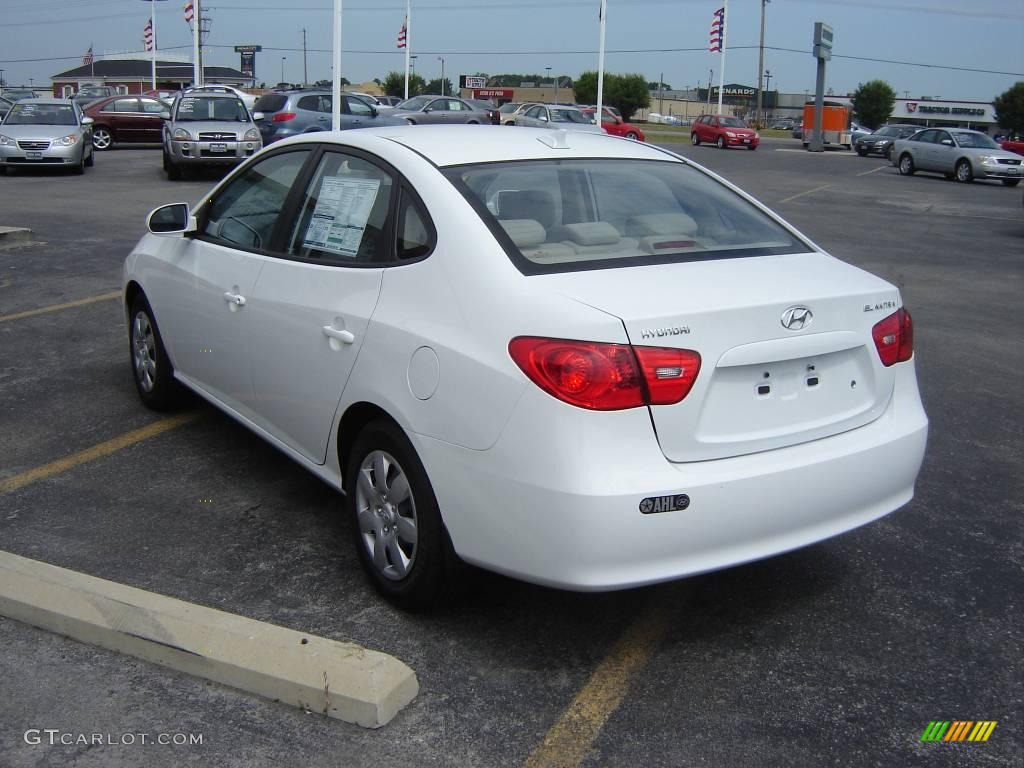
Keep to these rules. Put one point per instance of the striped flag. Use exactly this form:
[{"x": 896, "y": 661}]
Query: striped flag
[
  {"x": 190, "y": 11},
  {"x": 717, "y": 30},
  {"x": 147, "y": 35},
  {"x": 402, "y": 33},
  {"x": 87, "y": 59}
]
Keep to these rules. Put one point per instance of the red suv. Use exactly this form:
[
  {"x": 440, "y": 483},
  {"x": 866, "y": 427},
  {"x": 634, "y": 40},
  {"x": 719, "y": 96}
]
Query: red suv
[
  {"x": 615, "y": 125},
  {"x": 723, "y": 131}
]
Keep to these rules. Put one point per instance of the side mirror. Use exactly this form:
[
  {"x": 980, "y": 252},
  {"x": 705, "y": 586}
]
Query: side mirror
[
  {"x": 373, "y": 111},
  {"x": 173, "y": 219},
  {"x": 87, "y": 121},
  {"x": 165, "y": 115},
  {"x": 948, "y": 142},
  {"x": 543, "y": 118},
  {"x": 258, "y": 116}
]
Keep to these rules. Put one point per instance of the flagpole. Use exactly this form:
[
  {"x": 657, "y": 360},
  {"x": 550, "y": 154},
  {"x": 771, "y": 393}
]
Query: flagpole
[
  {"x": 408, "y": 42},
  {"x": 92, "y": 63},
  {"x": 336, "y": 79},
  {"x": 721, "y": 69},
  {"x": 599, "y": 112},
  {"x": 152, "y": 21}
]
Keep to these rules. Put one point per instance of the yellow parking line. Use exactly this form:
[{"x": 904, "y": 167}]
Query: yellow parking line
[
  {"x": 20, "y": 480},
  {"x": 569, "y": 741},
  {"x": 58, "y": 307},
  {"x": 808, "y": 192}
]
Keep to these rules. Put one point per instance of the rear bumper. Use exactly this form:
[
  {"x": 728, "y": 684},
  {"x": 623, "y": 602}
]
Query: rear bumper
[{"x": 565, "y": 513}]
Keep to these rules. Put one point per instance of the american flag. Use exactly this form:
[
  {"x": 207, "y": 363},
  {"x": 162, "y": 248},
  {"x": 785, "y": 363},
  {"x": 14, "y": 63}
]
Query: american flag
[
  {"x": 717, "y": 30},
  {"x": 87, "y": 59},
  {"x": 402, "y": 34},
  {"x": 190, "y": 11},
  {"x": 147, "y": 35}
]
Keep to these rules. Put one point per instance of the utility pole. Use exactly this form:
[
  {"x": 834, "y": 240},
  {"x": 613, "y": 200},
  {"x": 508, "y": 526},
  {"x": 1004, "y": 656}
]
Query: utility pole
[
  {"x": 661, "y": 98},
  {"x": 760, "y": 64},
  {"x": 768, "y": 85},
  {"x": 305, "y": 72},
  {"x": 205, "y": 22}
]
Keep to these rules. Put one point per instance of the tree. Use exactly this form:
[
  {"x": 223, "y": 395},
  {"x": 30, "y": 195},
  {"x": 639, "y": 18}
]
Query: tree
[
  {"x": 873, "y": 102},
  {"x": 626, "y": 92},
  {"x": 653, "y": 86},
  {"x": 394, "y": 84},
  {"x": 1009, "y": 106},
  {"x": 434, "y": 86}
]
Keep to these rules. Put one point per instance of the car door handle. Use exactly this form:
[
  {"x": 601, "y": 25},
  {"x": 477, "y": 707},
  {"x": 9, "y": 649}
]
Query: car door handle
[
  {"x": 234, "y": 298},
  {"x": 345, "y": 337}
]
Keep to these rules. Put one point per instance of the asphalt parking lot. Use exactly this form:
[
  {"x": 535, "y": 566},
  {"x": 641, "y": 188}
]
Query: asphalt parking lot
[{"x": 838, "y": 655}]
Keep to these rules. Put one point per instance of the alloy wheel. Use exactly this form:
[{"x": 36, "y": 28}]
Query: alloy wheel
[
  {"x": 102, "y": 139},
  {"x": 386, "y": 512},
  {"x": 144, "y": 352}
]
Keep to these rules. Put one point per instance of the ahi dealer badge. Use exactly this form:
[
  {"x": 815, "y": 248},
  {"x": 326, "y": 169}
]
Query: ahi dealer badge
[{"x": 654, "y": 504}]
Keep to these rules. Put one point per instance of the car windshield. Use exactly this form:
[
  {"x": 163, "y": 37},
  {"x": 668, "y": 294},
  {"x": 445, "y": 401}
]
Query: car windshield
[
  {"x": 206, "y": 108},
  {"x": 416, "y": 103},
  {"x": 561, "y": 215},
  {"x": 975, "y": 141},
  {"x": 733, "y": 122},
  {"x": 568, "y": 116},
  {"x": 888, "y": 131},
  {"x": 507, "y": 107},
  {"x": 41, "y": 114}
]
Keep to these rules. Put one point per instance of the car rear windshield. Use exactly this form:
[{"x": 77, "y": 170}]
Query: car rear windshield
[
  {"x": 564, "y": 215},
  {"x": 270, "y": 102}
]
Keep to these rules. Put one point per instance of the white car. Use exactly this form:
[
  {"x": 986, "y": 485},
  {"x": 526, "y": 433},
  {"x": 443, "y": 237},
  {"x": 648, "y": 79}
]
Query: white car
[{"x": 573, "y": 359}]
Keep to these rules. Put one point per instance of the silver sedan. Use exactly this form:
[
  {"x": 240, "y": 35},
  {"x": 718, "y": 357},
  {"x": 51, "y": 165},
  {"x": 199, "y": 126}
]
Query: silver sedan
[
  {"x": 957, "y": 154},
  {"x": 46, "y": 132},
  {"x": 558, "y": 116},
  {"x": 439, "y": 110}
]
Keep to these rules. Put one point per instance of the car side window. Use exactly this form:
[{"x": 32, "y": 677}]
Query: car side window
[
  {"x": 941, "y": 136},
  {"x": 344, "y": 214},
  {"x": 359, "y": 107},
  {"x": 309, "y": 103},
  {"x": 441, "y": 104},
  {"x": 415, "y": 232},
  {"x": 925, "y": 136},
  {"x": 152, "y": 106},
  {"x": 457, "y": 106},
  {"x": 244, "y": 212}
]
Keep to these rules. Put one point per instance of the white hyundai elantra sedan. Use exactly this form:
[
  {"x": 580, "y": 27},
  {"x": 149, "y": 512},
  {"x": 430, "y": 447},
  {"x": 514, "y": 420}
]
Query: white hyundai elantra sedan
[{"x": 573, "y": 359}]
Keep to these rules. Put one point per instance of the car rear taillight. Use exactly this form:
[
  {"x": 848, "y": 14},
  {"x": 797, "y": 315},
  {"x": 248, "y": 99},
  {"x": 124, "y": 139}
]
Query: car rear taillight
[
  {"x": 606, "y": 377},
  {"x": 283, "y": 117},
  {"x": 894, "y": 338}
]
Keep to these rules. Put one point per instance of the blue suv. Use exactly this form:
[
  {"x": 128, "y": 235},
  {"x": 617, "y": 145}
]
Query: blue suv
[{"x": 289, "y": 113}]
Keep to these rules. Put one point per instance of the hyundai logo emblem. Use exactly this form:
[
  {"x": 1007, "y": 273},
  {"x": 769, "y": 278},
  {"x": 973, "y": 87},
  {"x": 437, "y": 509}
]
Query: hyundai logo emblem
[{"x": 797, "y": 318}]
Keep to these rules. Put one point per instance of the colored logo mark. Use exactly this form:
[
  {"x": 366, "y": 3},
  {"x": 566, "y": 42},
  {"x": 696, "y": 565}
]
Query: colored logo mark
[{"x": 958, "y": 730}]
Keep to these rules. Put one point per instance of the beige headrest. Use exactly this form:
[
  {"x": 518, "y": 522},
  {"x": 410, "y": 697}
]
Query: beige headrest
[
  {"x": 524, "y": 232},
  {"x": 591, "y": 233},
  {"x": 660, "y": 224}
]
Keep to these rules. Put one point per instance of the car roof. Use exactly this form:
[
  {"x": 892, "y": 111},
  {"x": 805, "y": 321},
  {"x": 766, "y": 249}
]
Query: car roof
[
  {"x": 445, "y": 145},
  {"x": 51, "y": 100}
]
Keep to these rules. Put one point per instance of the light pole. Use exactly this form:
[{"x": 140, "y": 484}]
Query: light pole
[
  {"x": 1, "y": 78},
  {"x": 283, "y": 60},
  {"x": 768, "y": 86},
  {"x": 760, "y": 62},
  {"x": 152, "y": 16},
  {"x": 441, "y": 59},
  {"x": 548, "y": 70}
]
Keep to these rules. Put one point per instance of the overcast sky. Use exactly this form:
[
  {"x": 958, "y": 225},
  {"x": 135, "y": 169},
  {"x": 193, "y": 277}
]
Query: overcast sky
[{"x": 39, "y": 38}]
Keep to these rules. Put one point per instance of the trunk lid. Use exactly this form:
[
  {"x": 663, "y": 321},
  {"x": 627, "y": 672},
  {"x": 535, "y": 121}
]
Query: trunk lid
[{"x": 761, "y": 385}]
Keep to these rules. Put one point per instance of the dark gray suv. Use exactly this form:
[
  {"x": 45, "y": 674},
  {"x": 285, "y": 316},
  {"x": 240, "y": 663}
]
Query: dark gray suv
[{"x": 289, "y": 113}]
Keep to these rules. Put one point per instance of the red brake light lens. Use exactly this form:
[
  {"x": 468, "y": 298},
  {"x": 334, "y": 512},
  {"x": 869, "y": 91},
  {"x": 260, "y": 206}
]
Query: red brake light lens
[
  {"x": 283, "y": 117},
  {"x": 894, "y": 338},
  {"x": 606, "y": 377}
]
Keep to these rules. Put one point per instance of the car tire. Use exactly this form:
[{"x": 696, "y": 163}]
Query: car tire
[
  {"x": 695, "y": 139},
  {"x": 906, "y": 165},
  {"x": 888, "y": 154},
  {"x": 862, "y": 152},
  {"x": 91, "y": 160},
  {"x": 631, "y": 135},
  {"x": 1011, "y": 182},
  {"x": 721, "y": 142},
  {"x": 173, "y": 171},
  {"x": 964, "y": 172},
  {"x": 79, "y": 168},
  {"x": 151, "y": 368},
  {"x": 400, "y": 541},
  {"x": 752, "y": 147},
  {"x": 472, "y": 122},
  {"x": 102, "y": 138}
]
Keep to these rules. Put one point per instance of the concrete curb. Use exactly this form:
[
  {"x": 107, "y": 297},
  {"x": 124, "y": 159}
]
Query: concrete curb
[{"x": 340, "y": 680}]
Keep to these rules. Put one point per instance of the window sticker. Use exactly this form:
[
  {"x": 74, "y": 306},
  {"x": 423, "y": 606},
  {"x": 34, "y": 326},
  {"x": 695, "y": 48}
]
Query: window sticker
[{"x": 341, "y": 213}]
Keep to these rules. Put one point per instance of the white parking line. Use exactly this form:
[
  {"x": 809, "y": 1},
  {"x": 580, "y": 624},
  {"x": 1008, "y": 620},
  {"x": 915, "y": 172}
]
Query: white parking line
[
  {"x": 826, "y": 153},
  {"x": 341, "y": 680},
  {"x": 874, "y": 170},
  {"x": 808, "y": 192}
]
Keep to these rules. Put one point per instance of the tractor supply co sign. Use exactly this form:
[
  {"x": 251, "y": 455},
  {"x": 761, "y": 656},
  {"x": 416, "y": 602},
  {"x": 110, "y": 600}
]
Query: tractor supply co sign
[
  {"x": 493, "y": 93},
  {"x": 965, "y": 112}
]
